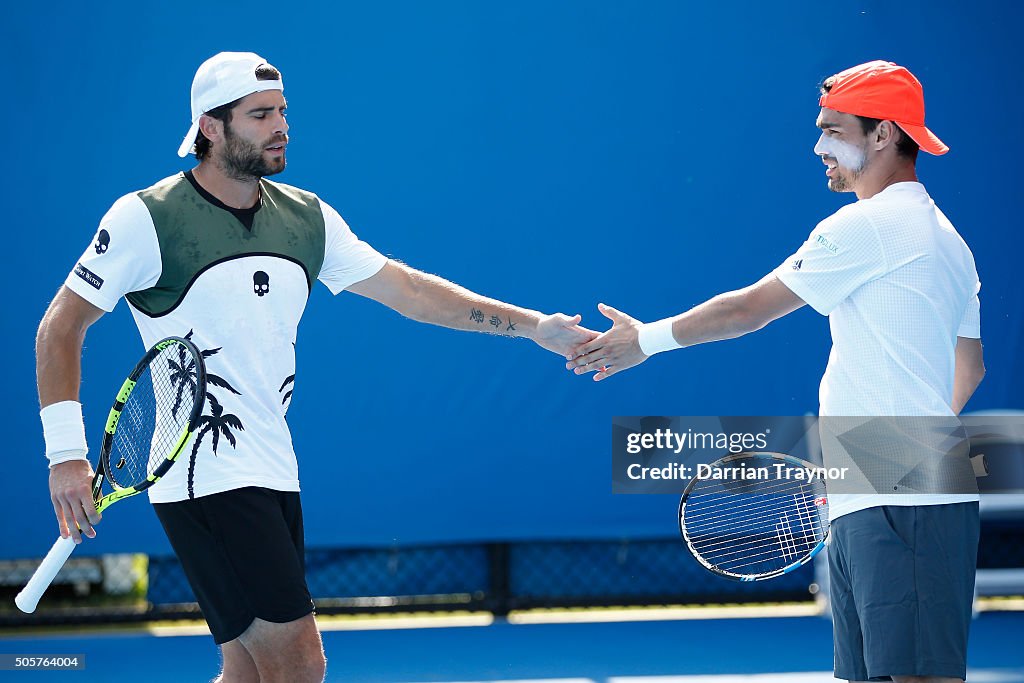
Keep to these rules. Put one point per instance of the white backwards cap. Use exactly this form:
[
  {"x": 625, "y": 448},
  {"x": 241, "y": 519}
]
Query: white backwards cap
[{"x": 221, "y": 79}]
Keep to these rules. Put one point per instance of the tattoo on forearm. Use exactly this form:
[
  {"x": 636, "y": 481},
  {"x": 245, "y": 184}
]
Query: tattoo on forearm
[{"x": 493, "y": 320}]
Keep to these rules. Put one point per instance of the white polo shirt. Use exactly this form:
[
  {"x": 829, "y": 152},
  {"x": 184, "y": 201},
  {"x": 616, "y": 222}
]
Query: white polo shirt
[{"x": 898, "y": 285}]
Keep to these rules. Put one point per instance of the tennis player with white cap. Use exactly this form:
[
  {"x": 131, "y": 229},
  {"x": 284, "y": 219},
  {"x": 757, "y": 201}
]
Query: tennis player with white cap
[
  {"x": 900, "y": 288},
  {"x": 227, "y": 258},
  {"x": 221, "y": 80}
]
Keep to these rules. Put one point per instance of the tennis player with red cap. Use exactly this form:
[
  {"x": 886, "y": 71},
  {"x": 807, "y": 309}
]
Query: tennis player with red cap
[{"x": 900, "y": 288}]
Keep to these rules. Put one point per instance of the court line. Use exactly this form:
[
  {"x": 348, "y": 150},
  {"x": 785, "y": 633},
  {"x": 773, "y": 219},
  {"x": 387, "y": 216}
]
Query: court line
[
  {"x": 669, "y": 613},
  {"x": 973, "y": 675},
  {"x": 350, "y": 622}
]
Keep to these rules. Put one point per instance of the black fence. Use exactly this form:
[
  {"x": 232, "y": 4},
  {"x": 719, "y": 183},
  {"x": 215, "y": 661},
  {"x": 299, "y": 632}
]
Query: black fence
[{"x": 492, "y": 577}]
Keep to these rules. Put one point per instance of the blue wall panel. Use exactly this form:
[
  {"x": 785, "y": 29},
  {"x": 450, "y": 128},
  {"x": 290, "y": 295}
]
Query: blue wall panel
[{"x": 648, "y": 155}]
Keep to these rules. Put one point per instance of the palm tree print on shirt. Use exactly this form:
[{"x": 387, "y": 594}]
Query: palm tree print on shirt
[
  {"x": 183, "y": 377},
  {"x": 215, "y": 422},
  {"x": 289, "y": 380},
  {"x": 211, "y": 378}
]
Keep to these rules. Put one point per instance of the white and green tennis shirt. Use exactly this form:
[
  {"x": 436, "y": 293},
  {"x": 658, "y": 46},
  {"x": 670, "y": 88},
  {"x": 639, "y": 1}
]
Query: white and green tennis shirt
[{"x": 236, "y": 284}]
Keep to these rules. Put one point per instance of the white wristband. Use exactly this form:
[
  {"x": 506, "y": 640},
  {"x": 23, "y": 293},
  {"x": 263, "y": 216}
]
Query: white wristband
[
  {"x": 64, "y": 432},
  {"x": 657, "y": 337}
]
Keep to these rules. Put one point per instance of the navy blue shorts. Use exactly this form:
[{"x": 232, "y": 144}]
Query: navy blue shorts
[
  {"x": 902, "y": 590},
  {"x": 244, "y": 555}
]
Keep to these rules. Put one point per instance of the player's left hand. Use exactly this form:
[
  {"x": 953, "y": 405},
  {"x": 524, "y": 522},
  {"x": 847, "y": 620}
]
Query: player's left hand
[
  {"x": 616, "y": 350},
  {"x": 560, "y": 334}
]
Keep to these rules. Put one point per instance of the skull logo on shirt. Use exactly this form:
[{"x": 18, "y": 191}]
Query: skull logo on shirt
[
  {"x": 260, "y": 283},
  {"x": 102, "y": 242}
]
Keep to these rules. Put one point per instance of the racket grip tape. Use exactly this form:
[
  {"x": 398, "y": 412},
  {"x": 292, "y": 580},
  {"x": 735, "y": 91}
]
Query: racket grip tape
[{"x": 28, "y": 598}]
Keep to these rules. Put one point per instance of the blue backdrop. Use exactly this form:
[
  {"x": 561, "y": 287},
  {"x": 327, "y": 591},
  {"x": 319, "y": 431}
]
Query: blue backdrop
[{"x": 648, "y": 155}]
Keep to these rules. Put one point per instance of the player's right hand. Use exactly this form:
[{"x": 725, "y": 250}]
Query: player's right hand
[
  {"x": 616, "y": 350},
  {"x": 71, "y": 495}
]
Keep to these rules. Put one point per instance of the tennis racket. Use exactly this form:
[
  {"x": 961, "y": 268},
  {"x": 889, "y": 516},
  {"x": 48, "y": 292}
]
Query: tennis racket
[
  {"x": 755, "y": 516},
  {"x": 154, "y": 415}
]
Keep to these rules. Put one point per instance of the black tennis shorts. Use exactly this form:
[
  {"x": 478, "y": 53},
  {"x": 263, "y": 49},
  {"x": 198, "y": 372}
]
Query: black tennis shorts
[
  {"x": 244, "y": 555},
  {"x": 902, "y": 588}
]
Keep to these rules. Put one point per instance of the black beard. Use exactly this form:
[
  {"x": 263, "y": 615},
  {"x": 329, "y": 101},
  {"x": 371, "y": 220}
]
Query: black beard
[{"x": 243, "y": 160}]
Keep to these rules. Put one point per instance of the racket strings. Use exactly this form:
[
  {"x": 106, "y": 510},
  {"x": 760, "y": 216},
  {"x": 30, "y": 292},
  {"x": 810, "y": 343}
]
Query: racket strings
[
  {"x": 752, "y": 547},
  {"x": 748, "y": 515},
  {"x": 753, "y": 510},
  {"x": 721, "y": 492},
  {"x": 783, "y": 542},
  {"x": 767, "y": 554},
  {"x": 804, "y": 505},
  {"x": 708, "y": 512},
  {"x": 751, "y": 533},
  {"x": 153, "y": 419},
  {"x": 765, "y": 527}
]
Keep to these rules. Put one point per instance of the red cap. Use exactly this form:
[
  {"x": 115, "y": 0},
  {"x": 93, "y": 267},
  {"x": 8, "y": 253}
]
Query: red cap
[{"x": 883, "y": 90}]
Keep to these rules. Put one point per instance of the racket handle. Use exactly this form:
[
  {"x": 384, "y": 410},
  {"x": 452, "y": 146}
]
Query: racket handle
[{"x": 28, "y": 598}]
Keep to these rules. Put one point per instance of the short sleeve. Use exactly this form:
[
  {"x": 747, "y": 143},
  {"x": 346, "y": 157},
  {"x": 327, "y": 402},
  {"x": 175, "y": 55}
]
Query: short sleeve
[
  {"x": 347, "y": 259},
  {"x": 970, "y": 324},
  {"x": 842, "y": 253},
  {"x": 123, "y": 257}
]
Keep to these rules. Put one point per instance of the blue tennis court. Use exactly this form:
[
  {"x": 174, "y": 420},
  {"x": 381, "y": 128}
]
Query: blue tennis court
[
  {"x": 550, "y": 157},
  {"x": 710, "y": 650}
]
